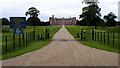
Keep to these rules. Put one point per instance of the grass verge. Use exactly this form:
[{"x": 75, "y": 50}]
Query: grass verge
[
  {"x": 95, "y": 44},
  {"x": 98, "y": 45},
  {"x": 33, "y": 45},
  {"x": 28, "y": 48}
]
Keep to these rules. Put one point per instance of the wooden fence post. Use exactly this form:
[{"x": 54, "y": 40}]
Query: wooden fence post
[
  {"x": 98, "y": 36},
  {"x": 30, "y": 36},
  {"x": 113, "y": 38},
  {"x": 92, "y": 34},
  {"x": 23, "y": 38},
  {"x": 108, "y": 37},
  {"x": 26, "y": 39},
  {"x": 95, "y": 35},
  {"x": 46, "y": 33},
  {"x": 101, "y": 36},
  {"x": 84, "y": 36},
  {"x": 6, "y": 43},
  {"x": 34, "y": 34},
  {"x": 104, "y": 37},
  {"x": 19, "y": 40},
  {"x": 81, "y": 34},
  {"x": 14, "y": 41}
]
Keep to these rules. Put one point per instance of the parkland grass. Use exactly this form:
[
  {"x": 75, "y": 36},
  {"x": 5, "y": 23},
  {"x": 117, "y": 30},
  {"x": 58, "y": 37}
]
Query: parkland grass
[
  {"x": 31, "y": 45},
  {"x": 107, "y": 43}
]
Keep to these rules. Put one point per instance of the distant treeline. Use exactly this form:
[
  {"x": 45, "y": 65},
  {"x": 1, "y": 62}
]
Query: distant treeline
[
  {"x": 29, "y": 22},
  {"x": 102, "y": 23},
  {"x": 37, "y": 22}
]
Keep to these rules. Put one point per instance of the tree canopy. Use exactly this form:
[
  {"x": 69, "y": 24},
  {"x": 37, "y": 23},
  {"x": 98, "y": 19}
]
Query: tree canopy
[
  {"x": 5, "y": 21},
  {"x": 33, "y": 12},
  {"x": 33, "y": 20},
  {"x": 110, "y": 19},
  {"x": 91, "y": 15}
]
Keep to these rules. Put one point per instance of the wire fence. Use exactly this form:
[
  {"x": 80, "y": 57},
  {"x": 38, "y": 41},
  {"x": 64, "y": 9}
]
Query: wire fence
[
  {"x": 106, "y": 37},
  {"x": 16, "y": 41}
]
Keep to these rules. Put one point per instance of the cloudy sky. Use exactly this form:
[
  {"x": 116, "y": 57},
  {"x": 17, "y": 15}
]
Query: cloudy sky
[{"x": 59, "y": 8}]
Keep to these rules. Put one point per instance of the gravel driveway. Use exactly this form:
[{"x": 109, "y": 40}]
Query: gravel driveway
[{"x": 64, "y": 51}]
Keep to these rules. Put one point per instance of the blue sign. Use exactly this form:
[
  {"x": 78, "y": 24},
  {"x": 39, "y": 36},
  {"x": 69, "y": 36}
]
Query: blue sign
[
  {"x": 17, "y": 22},
  {"x": 18, "y": 31}
]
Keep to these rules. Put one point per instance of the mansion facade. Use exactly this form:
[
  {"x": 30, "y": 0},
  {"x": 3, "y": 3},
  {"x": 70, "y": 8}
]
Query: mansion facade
[{"x": 62, "y": 21}]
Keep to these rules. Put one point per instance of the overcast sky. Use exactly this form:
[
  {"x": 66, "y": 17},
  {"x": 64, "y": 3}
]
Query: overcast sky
[{"x": 59, "y": 8}]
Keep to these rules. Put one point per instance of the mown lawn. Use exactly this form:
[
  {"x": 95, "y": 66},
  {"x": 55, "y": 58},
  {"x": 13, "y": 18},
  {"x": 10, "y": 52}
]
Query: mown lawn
[
  {"x": 74, "y": 30},
  {"x": 32, "y": 45}
]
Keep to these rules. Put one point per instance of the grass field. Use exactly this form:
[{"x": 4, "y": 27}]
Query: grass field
[
  {"x": 74, "y": 30},
  {"x": 32, "y": 45}
]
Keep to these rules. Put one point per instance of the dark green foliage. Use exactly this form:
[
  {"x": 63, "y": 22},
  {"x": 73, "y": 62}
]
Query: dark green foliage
[
  {"x": 81, "y": 22},
  {"x": 33, "y": 21},
  {"x": 5, "y": 21},
  {"x": 91, "y": 15},
  {"x": 44, "y": 23},
  {"x": 33, "y": 12},
  {"x": 118, "y": 23},
  {"x": 110, "y": 19},
  {"x": 101, "y": 23}
]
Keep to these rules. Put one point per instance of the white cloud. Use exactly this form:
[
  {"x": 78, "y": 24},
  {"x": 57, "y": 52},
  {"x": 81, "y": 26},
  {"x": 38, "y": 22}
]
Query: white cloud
[{"x": 60, "y": 8}]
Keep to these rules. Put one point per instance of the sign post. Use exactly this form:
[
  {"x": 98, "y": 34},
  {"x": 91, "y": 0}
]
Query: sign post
[
  {"x": 18, "y": 31},
  {"x": 17, "y": 23}
]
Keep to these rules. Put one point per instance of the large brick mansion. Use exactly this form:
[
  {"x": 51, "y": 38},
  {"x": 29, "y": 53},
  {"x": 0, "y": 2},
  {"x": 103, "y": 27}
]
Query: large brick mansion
[{"x": 62, "y": 21}]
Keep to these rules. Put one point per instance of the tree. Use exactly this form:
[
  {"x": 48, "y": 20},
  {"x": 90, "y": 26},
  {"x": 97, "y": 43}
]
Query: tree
[
  {"x": 5, "y": 21},
  {"x": 110, "y": 19},
  {"x": 77, "y": 22},
  {"x": 33, "y": 12},
  {"x": 44, "y": 23},
  {"x": 81, "y": 23},
  {"x": 101, "y": 23},
  {"x": 118, "y": 23},
  {"x": 91, "y": 14},
  {"x": 33, "y": 20}
]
